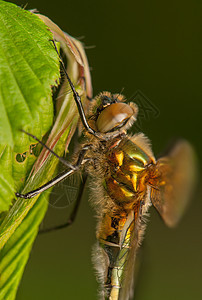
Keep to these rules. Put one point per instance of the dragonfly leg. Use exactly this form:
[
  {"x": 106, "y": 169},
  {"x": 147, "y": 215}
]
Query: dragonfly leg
[
  {"x": 74, "y": 212},
  {"x": 77, "y": 98},
  {"x": 58, "y": 178},
  {"x": 47, "y": 185},
  {"x": 62, "y": 160}
]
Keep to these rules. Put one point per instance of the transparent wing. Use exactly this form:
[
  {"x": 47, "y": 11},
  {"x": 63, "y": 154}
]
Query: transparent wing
[
  {"x": 173, "y": 180},
  {"x": 134, "y": 240},
  {"x": 65, "y": 194},
  {"x": 127, "y": 290},
  {"x": 62, "y": 202}
]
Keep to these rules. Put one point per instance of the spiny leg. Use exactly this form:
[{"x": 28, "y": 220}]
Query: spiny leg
[
  {"x": 58, "y": 178},
  {"x": 74, "y": 212},
  {"x": 47, "y": 185},
  {"x": 62, "y": 160},
  {"x": 77, "y": 98}
]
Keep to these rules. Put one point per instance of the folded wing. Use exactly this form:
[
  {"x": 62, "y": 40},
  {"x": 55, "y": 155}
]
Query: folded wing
[{"x": 173, "y": 180}]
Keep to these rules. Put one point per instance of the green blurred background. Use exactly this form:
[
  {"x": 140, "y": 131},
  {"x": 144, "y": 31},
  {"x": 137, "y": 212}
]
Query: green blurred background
[{"x": 152, "y": 46}]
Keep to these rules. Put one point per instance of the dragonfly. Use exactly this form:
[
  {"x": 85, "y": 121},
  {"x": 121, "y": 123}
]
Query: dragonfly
[{"x": 126, "y": 180}]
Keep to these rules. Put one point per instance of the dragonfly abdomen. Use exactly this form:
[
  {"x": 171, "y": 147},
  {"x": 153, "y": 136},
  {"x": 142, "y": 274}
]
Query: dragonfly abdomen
[{"x": 115, "y": 236}]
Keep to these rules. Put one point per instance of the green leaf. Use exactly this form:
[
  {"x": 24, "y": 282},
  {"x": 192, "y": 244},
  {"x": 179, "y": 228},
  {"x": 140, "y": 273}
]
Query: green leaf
[
  {"x": 15, "y": 254},
  {"x": 29, "y": 66},
  {"x": 6, "y": 179},
  {"x": 28, "y": 70},
  {"x": 20, "y": 227}
]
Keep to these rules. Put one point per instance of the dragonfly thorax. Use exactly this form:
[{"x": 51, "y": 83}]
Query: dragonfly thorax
[
  {"x": 119, "y": 167},
  {"x": 126, "y": 181}
]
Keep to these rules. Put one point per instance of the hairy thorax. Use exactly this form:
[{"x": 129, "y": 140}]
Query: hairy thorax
[{"x": 119, "y": 167}]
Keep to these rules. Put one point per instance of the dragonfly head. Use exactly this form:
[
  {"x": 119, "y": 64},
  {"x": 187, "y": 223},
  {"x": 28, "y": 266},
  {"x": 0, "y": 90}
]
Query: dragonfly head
[{"x": 110, "y": 113}]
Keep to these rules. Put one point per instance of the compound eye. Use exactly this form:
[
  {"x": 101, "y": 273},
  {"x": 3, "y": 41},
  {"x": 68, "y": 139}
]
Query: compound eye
[{"x": 113, "y": 116}]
